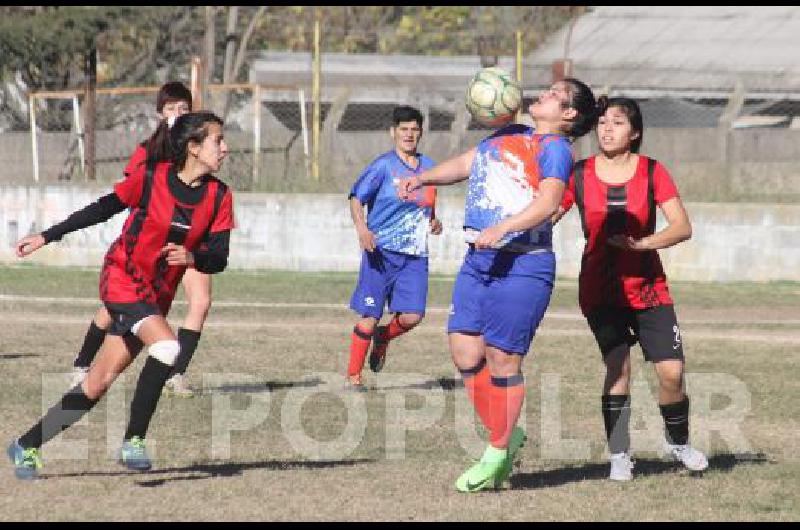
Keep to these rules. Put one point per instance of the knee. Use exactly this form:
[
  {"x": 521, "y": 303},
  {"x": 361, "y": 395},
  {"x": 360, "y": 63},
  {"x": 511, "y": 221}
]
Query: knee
[
  {"x": 503, "y": 364},
  {"x": 671, "y": 379},
  {"x": 409, "y": 320},
  {"x": 102, "y": 319},
  {"x": 465, "y": 360},
  {"x": 165, "y": 351},
  {"x": 95, "y": 386}
]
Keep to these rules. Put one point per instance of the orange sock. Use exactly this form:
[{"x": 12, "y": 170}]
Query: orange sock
[
  {"x": 477, "y": 381},
  {"x": 359, "y": 345},
  {"x": 507, "y": 395},
  {"x": 394, "y": 329}
]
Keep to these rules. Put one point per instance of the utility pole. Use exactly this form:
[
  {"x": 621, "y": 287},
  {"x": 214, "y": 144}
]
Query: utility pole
[{"x": 89, "y": 108}]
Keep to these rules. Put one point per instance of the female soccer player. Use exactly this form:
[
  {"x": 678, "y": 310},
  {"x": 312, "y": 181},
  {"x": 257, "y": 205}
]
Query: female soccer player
[
  {"x": 180, "y": 216},
  {"x": 517, "y": 178},
  {"x": 622, "y": 288},
  {"x": 173, "y": 100}
]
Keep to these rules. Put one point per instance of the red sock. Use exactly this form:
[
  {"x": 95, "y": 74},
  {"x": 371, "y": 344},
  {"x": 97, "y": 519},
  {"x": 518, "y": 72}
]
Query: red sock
[
  {"x": 359, "y": 345},
  {"x": 394, "y": 329},
  {"x": 507, "y": 395},
  {"x": 479, "y": 391}
]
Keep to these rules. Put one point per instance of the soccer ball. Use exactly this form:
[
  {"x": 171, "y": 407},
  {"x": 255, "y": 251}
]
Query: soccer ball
[{"x": 493, "y": 97}]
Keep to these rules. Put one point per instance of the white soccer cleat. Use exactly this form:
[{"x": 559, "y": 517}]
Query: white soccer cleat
[
  {"x": 178, "y": 386},
  {"x": 693, "y": 459},
  {"x": 78, "y": 375},
  {"x": 621, "y": 467}
]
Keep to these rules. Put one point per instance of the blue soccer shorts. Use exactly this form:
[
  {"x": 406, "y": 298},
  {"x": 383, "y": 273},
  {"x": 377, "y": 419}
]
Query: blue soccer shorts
[
  {"x": 502, "y": 296},
  {"x": 400, "y": 280}
]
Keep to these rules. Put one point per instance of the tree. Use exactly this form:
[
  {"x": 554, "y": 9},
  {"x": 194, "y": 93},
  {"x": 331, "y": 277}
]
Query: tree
[{"x": 237, "y": 37}]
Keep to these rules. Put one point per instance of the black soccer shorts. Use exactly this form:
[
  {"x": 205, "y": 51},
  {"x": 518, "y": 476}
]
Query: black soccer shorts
[{"x": 655, "y": 329}]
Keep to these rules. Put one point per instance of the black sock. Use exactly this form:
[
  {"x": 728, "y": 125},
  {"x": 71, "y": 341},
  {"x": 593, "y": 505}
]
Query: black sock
[
  {"x": 91, "y": 345},
  {"x": 617, "y": 418},
  {"x": 145, "y": 397},
  {"x": 676, "y": 421},
  {"x": 72, "y": 407},
  {"x": 188, "y": 339}
]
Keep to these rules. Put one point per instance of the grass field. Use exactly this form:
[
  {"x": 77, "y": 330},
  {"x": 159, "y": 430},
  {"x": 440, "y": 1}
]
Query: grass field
[{"x": 272, "y": 437}]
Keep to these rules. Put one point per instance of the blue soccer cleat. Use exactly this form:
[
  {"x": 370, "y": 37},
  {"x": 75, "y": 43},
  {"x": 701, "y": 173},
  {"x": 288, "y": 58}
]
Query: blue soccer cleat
[
  {"x": 27, "y": 462},
  {"x": 133, "y": 455}
]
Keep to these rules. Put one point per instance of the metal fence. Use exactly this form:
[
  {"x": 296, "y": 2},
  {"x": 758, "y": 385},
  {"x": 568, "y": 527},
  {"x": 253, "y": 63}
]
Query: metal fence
[{"x": 719, "y": 146}]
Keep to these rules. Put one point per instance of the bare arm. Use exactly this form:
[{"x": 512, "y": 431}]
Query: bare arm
[
  {"x": 448, "y": 172},
  {"x": 436, "y": 224},
  {"x": 538, "y": 211},
  {"x": 365, "y": 238},
  {"x": 678, "y": 229},
  {"x": 561, "y": 212}
]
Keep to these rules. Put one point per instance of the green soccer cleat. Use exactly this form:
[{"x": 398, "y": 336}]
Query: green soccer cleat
[
  {"x": 515, "y": 443},
  {"x": 484, "y": 474},
  {"x": 27, "y": 462}
]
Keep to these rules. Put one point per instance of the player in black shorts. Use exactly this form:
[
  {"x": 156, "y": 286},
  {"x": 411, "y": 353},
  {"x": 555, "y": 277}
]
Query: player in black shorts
[{"x": 622, "y": 289}]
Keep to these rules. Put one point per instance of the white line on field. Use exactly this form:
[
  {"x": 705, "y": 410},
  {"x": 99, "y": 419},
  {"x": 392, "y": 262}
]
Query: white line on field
[
  {"x": 429, "y": 329},
  {"x": 551, "y": 314}
]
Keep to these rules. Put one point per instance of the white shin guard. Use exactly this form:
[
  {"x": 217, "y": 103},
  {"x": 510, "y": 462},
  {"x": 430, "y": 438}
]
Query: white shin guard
[{"x": 165, "y": 351}]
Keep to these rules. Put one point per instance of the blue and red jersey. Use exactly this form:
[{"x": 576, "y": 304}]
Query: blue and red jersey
[
  {"x": 505, "y": 177},
  {"x": 399, "y": 225}
]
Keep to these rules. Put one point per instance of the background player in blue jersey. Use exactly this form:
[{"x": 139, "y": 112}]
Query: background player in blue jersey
[
  {"x": 517, "y": 178},
  {"x": 394, "y": 239}
]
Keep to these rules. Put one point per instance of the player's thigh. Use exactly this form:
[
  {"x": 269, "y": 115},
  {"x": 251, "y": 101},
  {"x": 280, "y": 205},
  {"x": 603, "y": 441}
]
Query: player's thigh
[
  {"x": 409, "y": 289},
  {"x": 154, "y": 329},
  {"x": 466, "y": 306},
  {"x": 372, "y": 287},
  {"x": 659, "y": 333},
  {"x": 116, "y": 353},
  {"x": 513, "y": 309},
  {"x": 197, "y": 286},
  {"x": 612, "y": 330}
]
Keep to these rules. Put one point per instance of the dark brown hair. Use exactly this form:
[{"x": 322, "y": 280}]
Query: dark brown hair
[{"x": 631, "y": 110}]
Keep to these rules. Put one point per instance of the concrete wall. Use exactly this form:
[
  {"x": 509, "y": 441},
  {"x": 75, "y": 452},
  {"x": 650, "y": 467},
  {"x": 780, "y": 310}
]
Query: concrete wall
[{"x": 732, "y": 242}]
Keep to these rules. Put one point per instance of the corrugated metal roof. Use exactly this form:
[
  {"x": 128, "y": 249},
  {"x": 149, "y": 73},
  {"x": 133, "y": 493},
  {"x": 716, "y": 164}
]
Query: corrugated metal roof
[
  {"x": 371, "y": 72},
  {"x": 680, "y": 47}
]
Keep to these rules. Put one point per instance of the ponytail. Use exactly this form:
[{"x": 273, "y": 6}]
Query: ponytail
[
  {"x": 158, "y": 146},
  {"x": 582, "y": 100}
]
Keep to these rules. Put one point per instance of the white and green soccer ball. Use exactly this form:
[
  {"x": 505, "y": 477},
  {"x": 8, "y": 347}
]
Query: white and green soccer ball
[{"x": 493, "y": 97}]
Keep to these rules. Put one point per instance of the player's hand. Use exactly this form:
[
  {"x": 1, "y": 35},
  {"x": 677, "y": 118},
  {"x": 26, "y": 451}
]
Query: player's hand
[
  {"x": 177, "y": 255},
  {"x": 406, "y": 187},
  {"x": 366, "y": 239},
  {"x": 626, "y": 242},
  {"x": 489, "y": 237},
  {"x": 436, "y": 227},
  {"x": 29, "y": 244}
]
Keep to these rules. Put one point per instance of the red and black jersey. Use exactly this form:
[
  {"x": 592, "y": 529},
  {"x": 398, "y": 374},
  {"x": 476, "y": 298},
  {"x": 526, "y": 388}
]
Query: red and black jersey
[
  {"x": 138, "y": 158},
  {"x": 163, "y": 209},
  {"x": 609, "y": 275}
]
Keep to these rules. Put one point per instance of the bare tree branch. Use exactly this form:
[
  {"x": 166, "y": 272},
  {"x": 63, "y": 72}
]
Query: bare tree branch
[
  {"x": 231, "y": 39},
  {"x": 237, "y": 65}
]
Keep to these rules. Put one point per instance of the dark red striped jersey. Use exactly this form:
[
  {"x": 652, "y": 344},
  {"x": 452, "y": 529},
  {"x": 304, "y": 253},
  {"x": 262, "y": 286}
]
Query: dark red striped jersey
[
  {"x": 162, "y": 209},
  {"x": 609, "y": 275}
]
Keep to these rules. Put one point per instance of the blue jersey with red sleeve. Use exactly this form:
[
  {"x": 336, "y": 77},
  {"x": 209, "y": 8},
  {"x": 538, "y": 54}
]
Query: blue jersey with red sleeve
[
  {"x": 399, "y": 225},
  {"x": 505, "y": 177}
]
